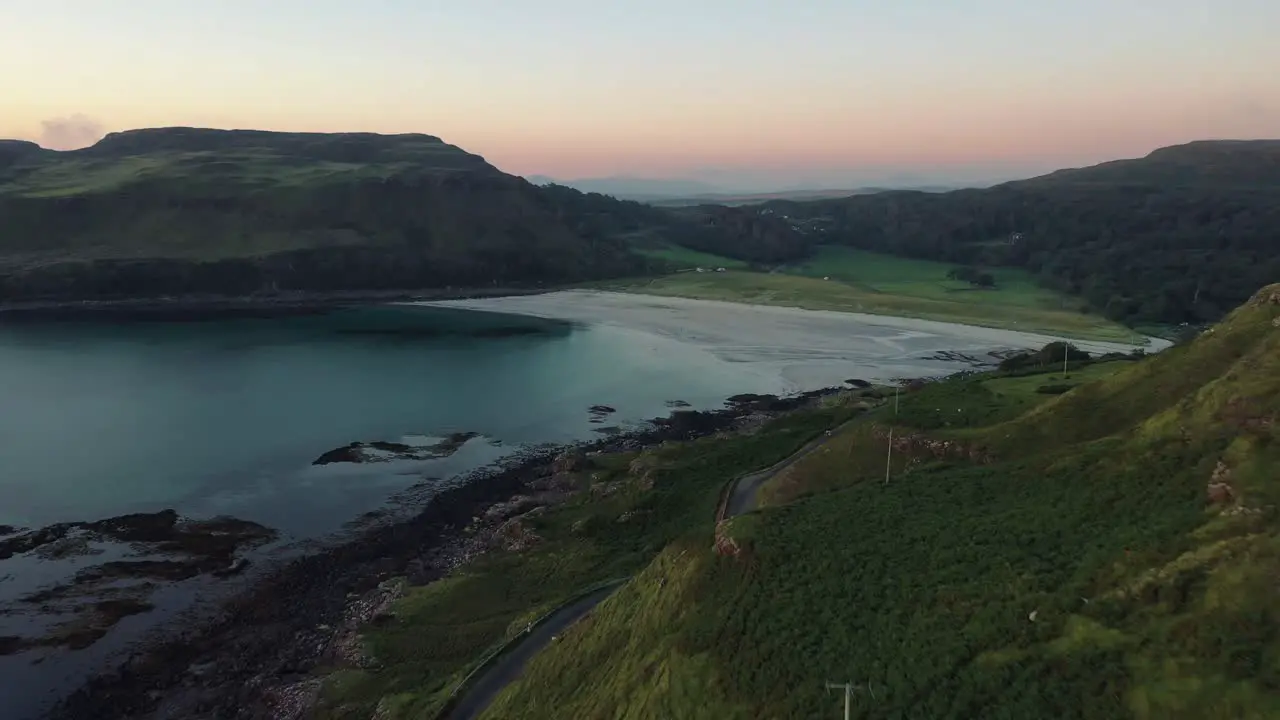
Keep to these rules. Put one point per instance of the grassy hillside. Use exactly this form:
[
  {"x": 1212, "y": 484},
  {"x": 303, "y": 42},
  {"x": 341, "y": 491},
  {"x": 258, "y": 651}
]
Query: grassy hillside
[
  {"x": 1181, "y": 235},
  {"x": 187, "y": 211},
  {"x": 629, "y": 509},
  {"x": 1108, "y": 552},
  {"x": 183, "y": 211},
  {"x": 166, "y": 184}
]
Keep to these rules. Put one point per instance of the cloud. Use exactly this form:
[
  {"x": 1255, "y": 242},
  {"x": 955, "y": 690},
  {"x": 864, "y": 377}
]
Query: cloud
[{"x": 70, "y": 133}]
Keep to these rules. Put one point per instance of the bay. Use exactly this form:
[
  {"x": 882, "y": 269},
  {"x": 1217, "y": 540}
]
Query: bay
[{"x": 225, "y": 416}]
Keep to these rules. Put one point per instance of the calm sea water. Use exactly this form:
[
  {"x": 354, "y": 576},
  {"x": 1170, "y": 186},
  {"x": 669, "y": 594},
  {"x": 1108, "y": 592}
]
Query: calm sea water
[{"x": 225, "y": 417}]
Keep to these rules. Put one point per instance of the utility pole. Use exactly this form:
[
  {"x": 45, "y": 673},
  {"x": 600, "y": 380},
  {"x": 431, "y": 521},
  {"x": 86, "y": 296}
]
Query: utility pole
[
  {"x": 848, "y": 688},
  {"x": 848, "y": 693},
  {"x": 888, "y": 461},
  {"x": 1066, "y": 353}
]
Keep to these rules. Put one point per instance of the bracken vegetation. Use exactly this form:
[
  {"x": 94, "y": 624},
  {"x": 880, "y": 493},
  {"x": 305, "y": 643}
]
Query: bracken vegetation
[
  {"x": 1107, "y": 552},
  {"x": 630, "y": 508}
]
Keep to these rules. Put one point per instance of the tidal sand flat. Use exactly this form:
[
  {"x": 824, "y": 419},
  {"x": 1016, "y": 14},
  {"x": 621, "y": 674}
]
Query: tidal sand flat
[{"x": 807, "y": 349}]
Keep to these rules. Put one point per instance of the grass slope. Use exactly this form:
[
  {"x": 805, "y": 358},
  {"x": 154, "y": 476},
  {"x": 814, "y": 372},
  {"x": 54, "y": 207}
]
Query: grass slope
[
  {"x": 887, "y": 285},
  {"x": 207, "y": 194},
  {"x": 614, "y": 529},
  {"x": 173, "y": 212},
  {"x": 246, "y": 157},
  {"x": 1080, "y": 573},
  {"x": 687, "y": 259}
]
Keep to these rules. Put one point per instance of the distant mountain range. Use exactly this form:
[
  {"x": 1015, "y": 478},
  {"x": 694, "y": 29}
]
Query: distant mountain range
[
  {"x": 680, "y": 191},
  {"x": 631, "y": 188}
]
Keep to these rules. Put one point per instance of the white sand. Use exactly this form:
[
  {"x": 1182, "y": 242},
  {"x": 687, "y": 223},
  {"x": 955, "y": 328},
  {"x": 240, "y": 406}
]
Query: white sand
[{"x": 808, "y": 349}]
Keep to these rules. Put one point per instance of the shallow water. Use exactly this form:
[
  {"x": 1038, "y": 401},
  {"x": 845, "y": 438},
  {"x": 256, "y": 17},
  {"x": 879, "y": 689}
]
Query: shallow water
[{"x": 225, "y": 417}]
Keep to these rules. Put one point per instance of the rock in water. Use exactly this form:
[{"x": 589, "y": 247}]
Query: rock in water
[
  {"x": 236, "y": 567},
  {"x": 599, "y": 412},
  {"x": 347, "y": 453},
  {"x": 383, "y": 450}
]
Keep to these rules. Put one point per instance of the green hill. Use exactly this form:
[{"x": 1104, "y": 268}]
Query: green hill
[
  {"x": 1174, "y": 237},
  {"x": 1180, "y": 235},
  {"x": 182, "y": 211},
  {"x": 186, "y": 211},
  {"x": 1107, "y": 552}
]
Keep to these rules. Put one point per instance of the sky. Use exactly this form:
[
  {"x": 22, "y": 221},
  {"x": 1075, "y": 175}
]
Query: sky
[{"x": 757, "y": 92}]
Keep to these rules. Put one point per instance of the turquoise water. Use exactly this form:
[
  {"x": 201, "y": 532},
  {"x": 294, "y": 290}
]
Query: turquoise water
[{"x": 226, "y": 416}]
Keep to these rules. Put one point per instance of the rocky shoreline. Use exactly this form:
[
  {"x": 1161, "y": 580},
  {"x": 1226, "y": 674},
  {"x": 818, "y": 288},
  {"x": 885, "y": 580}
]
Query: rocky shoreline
[{"x": 257, "y": 655}]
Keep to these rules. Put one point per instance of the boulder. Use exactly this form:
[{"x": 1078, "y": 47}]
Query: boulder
[
  {"x": 345, "y": 454},
  {"x": 724, "y": 544},
  {"x": 1220, "y": 491},
  {"x": 570, "y": 461}
]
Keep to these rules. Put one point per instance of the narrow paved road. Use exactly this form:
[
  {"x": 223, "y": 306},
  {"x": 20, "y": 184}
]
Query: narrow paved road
[
  {"x": 742, "y": 497},
  {"x": 508, "y": 668}
]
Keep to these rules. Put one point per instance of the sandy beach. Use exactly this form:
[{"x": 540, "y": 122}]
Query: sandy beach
[{"x": 807, "y": 349}]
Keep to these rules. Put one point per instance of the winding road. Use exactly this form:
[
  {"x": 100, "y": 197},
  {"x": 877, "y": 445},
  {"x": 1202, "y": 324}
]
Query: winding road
[
  {"x": 507, "y": 669},
  {"x": 742, "y": 495}
]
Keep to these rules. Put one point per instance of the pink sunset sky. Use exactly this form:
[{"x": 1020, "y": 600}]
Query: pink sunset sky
[{"x": 785, "y": 92}]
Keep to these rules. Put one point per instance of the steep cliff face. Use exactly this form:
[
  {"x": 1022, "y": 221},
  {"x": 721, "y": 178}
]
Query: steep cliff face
[{"x": 187, "y": 211}]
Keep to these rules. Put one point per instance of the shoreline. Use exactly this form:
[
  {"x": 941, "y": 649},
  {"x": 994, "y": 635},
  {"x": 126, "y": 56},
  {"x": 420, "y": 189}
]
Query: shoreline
[
  {"x": 262, "y": 644},
  {"x": 552, "y": 304},
  {"x": 217, "y": 307},
  {"x": 196, "y": 307},
  {"x": 805, "y": 348},
  {"x": 253, "y": 654}
]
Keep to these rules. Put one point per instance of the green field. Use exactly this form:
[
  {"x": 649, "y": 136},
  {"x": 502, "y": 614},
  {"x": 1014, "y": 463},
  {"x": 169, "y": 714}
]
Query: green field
[
  {"x": 686, "y": 259},
  {"x": 887, "y": 285},
  {"x": 892, "y": 275},
  {"x": 1080, "y": 573}
]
